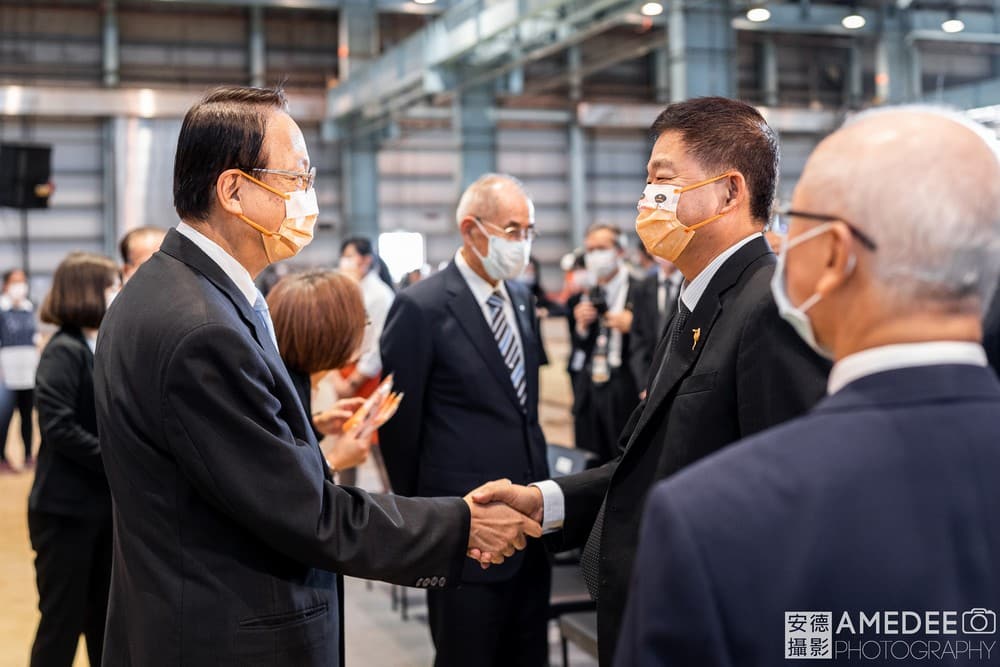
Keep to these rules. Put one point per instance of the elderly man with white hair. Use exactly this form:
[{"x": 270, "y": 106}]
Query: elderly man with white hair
[
  {"x": 867, "y": 529},
  {"x": 463, "y": 347}
]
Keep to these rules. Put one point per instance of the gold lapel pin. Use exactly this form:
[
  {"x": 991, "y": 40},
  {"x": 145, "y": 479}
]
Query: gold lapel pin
[{"x": 696, "y": 336}]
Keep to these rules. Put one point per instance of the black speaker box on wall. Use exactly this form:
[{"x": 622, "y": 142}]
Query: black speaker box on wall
[{"x": 25, "y": 170}]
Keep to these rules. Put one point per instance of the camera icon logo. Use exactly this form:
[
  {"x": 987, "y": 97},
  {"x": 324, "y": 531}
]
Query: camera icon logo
[{"x": 979, "y": 621}]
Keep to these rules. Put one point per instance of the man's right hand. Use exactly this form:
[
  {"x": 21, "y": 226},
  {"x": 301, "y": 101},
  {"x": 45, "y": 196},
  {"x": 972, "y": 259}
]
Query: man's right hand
[{"x": 498, "y": 528}]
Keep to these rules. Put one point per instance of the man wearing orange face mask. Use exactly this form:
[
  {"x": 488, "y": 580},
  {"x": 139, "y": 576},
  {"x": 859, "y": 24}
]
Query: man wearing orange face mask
[{"x": 727, "y": 365}]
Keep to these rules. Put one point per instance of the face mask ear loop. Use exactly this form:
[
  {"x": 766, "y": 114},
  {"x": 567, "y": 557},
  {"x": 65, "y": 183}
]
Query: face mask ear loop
[
  {"x": 260, "y": 229},
  {"x": 283, "y": 195}
]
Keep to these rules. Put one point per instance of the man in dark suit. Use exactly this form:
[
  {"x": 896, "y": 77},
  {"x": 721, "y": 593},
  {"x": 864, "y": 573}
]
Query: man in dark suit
[
  {"x": 463, "y": 347},
  {"x": 654, "y": 304},
  {"x": 728, "y": 366},
  {"x": 884, "y": 496},
  {"x": 226, "y": 518},
  {"x": 991, "y": 333},
  {"x": 600, "y": 324}
]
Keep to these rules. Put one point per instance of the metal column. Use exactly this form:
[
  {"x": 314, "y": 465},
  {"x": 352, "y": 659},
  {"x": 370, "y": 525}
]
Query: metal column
[
  {"x": 769, "y": 71},
  {"x": 577, "y": 154},
  {"x": 477, "y": 133},
  {"x": 256, "y": 45},
  {"x": 109, "y": 40},
  {"x": 701, "y": 43},
  {"x": 358, "y": 45}
]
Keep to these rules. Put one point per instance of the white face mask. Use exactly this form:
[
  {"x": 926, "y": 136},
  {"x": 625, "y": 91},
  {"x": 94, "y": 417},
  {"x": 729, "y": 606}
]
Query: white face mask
[
  {"x": 796, "y": 315},
  {"x": 601, "y": 263},
  {"x": 18, "y": 291},
  {"x": 505, "y": 259}
]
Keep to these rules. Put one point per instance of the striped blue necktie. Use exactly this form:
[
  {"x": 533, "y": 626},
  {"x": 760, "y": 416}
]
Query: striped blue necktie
[
  {"x": 264, "y": 315},
  {"x": 509, "y": 348}
]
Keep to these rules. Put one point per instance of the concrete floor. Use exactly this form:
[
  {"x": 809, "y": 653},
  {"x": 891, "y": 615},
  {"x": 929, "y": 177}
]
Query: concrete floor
[{"x": 376, "y": 635}]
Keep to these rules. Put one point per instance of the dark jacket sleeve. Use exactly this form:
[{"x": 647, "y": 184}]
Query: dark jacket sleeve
[
  {"x": 991, "y": 333},
  {"x": 407, "y": 353},
  {"x": 778, "y": 376},
  {"x": 671, "y": 619},
  {"x": 63, "y": 368},
  {"x": 226, "y": 430}
]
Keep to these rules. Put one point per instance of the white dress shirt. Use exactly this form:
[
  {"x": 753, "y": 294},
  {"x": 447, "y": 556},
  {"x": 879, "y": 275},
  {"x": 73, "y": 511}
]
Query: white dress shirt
[
  {"x": 903, "y": 355},
  {"x": 378, "y": 298},
  {"x": 482, "y": 290},
  {"x": 229, "y": 265},
  {"x": 616, "y": 294},
  {"x": 553, "y": 501}
]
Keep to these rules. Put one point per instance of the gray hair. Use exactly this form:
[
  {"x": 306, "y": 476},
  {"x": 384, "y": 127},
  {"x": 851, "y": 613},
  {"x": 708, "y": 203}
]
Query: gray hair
[
  {"x": 937, "y": 226},
  {"x": 484, "y": 198}
]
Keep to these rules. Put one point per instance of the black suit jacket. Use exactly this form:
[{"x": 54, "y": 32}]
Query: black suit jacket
[
  {"x": 225, "y": 516},
  {"x": 882, "y": 497},
  {"x": 70, "y": 477},
  {"x": 991, "y": 332},
  {"x": 585, "y": 344},
  {"x": 648, "y": 324},
  {"x": 460, "y": 424},
  {"x": 748, "y": 371}
]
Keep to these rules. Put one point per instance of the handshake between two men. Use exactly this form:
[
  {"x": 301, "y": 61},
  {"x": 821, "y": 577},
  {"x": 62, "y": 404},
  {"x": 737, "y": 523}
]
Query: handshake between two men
[{"x": 504, "y": 515}]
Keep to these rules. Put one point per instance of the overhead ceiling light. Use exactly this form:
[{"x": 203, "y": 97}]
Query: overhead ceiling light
[
  {"x": 953, "y": 24},
  {"x": 758, "y": 14},
  {"x": 853, "y": 21},
  {"x": 652, "y": 9},
  {"x": 425, "y": 2}
]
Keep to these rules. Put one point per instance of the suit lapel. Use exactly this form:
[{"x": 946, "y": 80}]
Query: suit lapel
[
  {"x": 184, "y": 250},
  {"x": 697, "y": 330},
  {"x": 470, "y": 318}
]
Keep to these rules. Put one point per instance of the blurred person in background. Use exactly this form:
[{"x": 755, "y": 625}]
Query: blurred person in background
[
  {"x": 18, "y": 363},
  {"x": 600, "y": 321},
  {"x": 463, "y": 346},
  {"x": 991, "y": 333},
  {"x": 319, "y": 322},
  {"x": 69, "y": 509},
  {"x": 137, "y": 246},
  {"x": 654, "y": 303},
  {"x": 360, "y": 378}
]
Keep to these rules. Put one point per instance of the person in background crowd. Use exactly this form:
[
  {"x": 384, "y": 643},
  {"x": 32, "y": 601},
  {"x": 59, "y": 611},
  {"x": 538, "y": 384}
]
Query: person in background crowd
[
  {"x": 463, "y": 347},
  {"x": 137, "y": 246},
  {"x": 544, "y": 306},
  {"x": 69, "y": 509},
  {"x": 359, "y": 261},
  {"x": 884, "y": 495},
  {"x": 600, "y": 320},
  {"x": 18, "y": 363},
  {"x": 319, "y": 322},
  {"x": 654, "y": 303}
]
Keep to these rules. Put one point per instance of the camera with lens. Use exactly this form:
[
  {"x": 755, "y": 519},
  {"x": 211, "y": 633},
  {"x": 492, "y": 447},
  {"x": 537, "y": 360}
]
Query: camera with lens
[{"x": 599, "y": 302}]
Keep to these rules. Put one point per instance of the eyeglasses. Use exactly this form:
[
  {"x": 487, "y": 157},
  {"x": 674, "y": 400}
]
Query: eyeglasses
[
  {"x": 513, "y": 232},
  {"x": 785, "y": 216},
  {"x": 304, "y": 180}
]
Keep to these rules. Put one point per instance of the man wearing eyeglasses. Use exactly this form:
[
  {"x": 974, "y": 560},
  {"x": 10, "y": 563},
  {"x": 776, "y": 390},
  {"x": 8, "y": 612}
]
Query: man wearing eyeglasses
[
  {"x": 727, "y": 366},
  {"x": 229, "y": 529},
  {"x": 463, "y": 346},
  {"x": 884, "y": 496}
]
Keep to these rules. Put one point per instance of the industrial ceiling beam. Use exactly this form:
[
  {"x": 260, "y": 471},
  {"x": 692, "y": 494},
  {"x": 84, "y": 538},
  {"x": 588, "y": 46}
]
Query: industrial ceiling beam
[{"x": 385, "y": 6}]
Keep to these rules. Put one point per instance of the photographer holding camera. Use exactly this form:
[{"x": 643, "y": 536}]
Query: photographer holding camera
[{"x": 600, "y": 320}]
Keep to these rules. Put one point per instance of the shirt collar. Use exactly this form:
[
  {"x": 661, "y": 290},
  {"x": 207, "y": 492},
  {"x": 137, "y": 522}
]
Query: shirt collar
[
  {"x": 904, "y": 355},
  {"x": 691, "y": 292},
  {"x": 480, "y": 288},
  {"x": 229, "y": 265}
]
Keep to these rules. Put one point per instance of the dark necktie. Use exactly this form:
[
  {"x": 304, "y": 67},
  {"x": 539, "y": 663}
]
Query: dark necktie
[{"x": 590, "y": 560}]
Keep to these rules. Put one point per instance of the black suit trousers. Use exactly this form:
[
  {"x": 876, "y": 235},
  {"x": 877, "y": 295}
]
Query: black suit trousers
[
  {"x": 73, "y": 572},
  {"x": 511, "y": 618},
  {"x": 601, "y": 411}
]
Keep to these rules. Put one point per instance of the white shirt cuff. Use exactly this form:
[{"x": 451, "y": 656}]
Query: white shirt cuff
[{"x": 553, "y": 504}]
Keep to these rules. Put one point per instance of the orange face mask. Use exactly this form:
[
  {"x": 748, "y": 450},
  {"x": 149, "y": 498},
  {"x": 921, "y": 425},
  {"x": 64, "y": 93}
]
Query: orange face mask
[
  {"x": 296, "y": 230},
  {"x": 657, "y": 225}
]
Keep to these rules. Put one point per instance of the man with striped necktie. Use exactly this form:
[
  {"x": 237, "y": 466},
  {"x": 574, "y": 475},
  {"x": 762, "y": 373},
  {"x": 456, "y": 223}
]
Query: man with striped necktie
[{"x": 464, "y": 348}]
